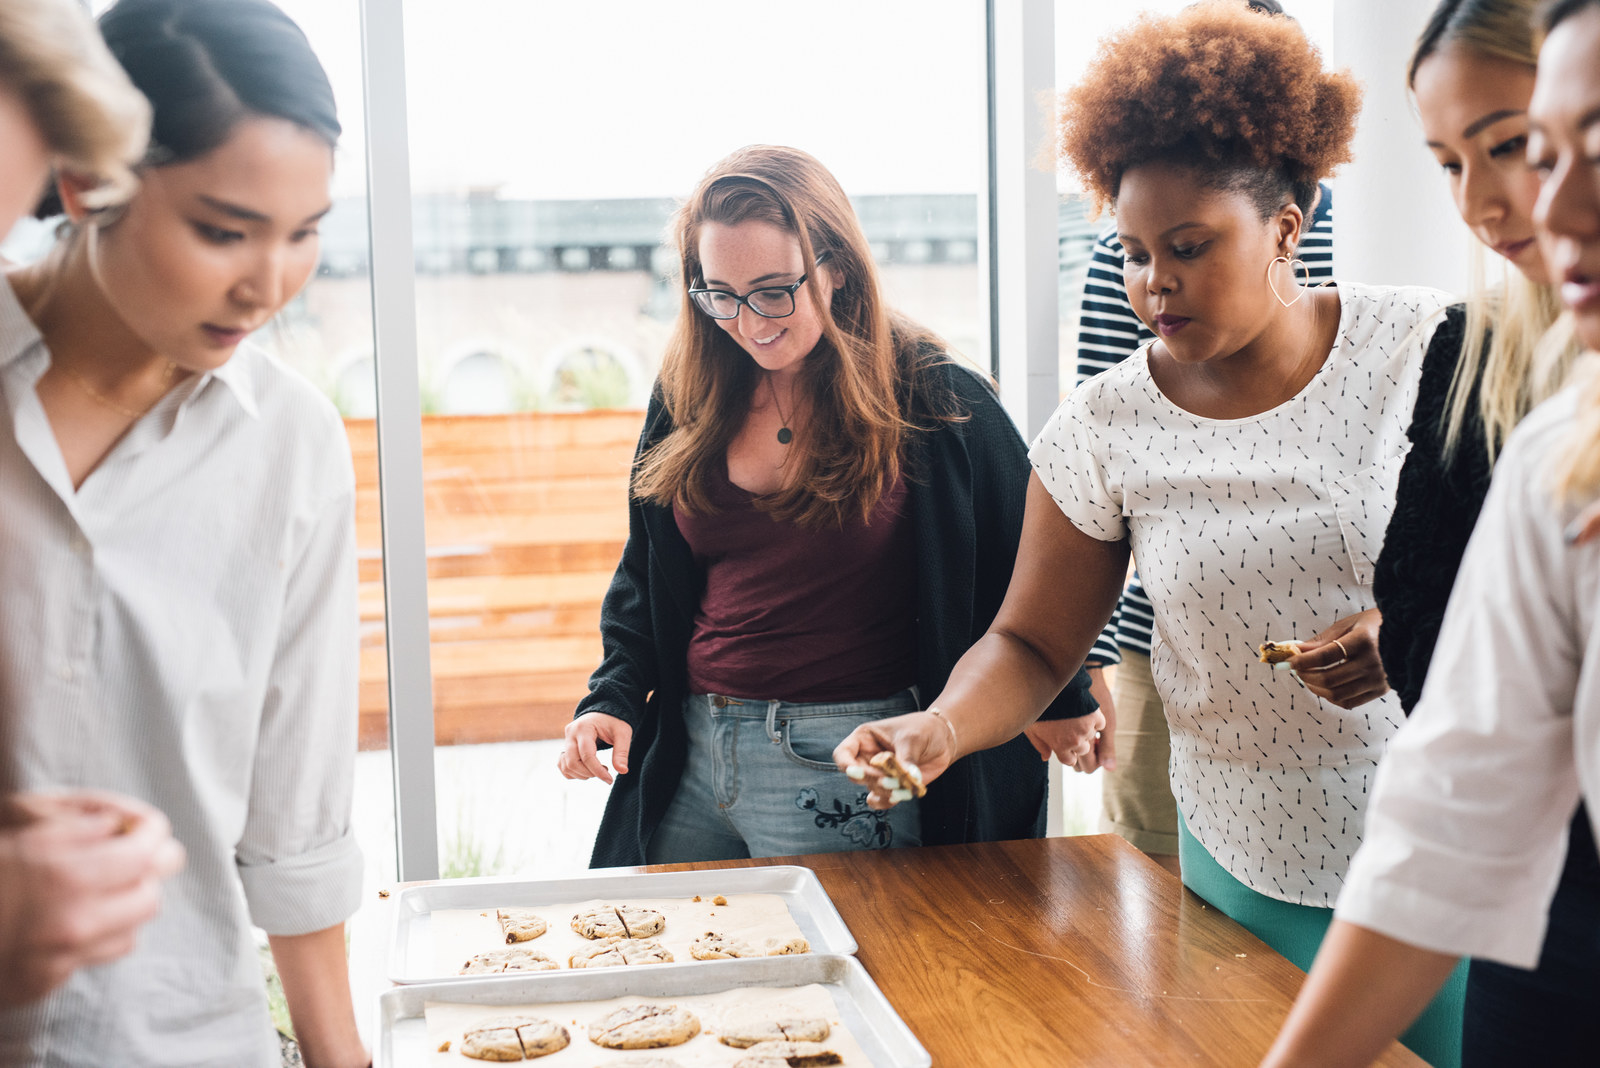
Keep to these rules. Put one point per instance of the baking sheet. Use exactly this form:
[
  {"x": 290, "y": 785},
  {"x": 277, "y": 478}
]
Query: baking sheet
[
  {"x": 402, "y": 1029},
  {"x": 423, "y": 950}
]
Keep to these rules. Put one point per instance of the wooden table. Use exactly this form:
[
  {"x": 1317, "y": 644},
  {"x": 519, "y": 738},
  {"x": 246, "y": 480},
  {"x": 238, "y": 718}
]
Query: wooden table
[{"x": 1056, "y": 952}]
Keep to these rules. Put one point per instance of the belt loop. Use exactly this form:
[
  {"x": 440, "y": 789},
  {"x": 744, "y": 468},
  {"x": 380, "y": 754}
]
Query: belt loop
[{"x": 772, "y": 722}]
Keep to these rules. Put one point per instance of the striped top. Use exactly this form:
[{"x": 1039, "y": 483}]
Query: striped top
[
  {"x": 1108, "y": 333},
  {"x": 182, "y": 627}
]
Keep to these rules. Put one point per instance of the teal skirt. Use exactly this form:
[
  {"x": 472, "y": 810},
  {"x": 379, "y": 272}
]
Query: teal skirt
[{"x": 1296, "y": 931}]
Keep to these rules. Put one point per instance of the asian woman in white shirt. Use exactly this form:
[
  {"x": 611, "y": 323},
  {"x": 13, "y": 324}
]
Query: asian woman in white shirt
[{"x": 178, "y": 553}]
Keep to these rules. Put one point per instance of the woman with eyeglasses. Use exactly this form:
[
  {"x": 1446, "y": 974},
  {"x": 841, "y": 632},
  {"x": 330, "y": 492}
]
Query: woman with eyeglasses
[
  {"x": 80, "y": 872},
  {"x": 177, "y": 551},
  {"x": 1247, "y": 457},
  {"x": 1471, "y": 815},
  {"x": 824, "y": 511}
]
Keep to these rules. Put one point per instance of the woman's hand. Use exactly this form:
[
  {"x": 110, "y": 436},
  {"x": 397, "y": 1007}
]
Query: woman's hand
[
  {"x": 581, "y": 760},
  {"x": 925, "y": 739},
  {"x": 1082, "y": 743},
  {"x": 78, "y": 879},
  {"x": 1341, "y": 664},
  {"x": 1586, "y": 527}
]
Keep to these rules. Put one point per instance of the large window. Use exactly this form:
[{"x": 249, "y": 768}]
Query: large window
[{"x": 547, "y": 156}]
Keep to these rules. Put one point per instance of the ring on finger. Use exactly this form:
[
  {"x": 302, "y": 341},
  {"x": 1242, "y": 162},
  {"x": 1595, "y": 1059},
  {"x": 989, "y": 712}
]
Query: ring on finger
[{"x": 1344, "y": 654}]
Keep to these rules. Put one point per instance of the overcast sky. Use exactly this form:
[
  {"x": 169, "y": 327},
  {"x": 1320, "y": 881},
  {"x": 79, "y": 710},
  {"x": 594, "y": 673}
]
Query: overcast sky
[{"x": 630, "y": 98}]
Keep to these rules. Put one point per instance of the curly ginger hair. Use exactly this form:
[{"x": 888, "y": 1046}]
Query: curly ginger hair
[{"x": 1217, "y": 86}]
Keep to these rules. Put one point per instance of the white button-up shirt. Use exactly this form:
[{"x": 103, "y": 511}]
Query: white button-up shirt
[
  {"x": 183, "y": 628},
  {"x": 1467, "y": 830}
]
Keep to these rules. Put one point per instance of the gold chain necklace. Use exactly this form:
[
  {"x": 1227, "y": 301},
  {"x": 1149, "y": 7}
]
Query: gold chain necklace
[{"x": 96, "y": 395}]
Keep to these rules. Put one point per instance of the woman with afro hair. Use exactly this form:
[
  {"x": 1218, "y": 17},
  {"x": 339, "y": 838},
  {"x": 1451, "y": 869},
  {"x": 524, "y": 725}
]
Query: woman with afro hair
[{"x": 1247, "y": 457}]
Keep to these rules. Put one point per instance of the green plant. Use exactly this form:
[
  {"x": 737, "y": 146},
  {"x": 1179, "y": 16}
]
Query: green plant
[
  {"x": 591, "y": 379},
  {"x": 276, "y": 1003},
  {"x": 466, "y": 856}
]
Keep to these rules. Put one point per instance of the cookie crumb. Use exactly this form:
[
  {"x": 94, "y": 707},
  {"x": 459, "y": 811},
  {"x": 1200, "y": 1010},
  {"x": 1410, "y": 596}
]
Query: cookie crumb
[
  {"x": 719, "y": 900},
  {"x": 383, "y": 893},
  {"x": 444, "y": 1047},
  {"x": 697, "y": 897}
]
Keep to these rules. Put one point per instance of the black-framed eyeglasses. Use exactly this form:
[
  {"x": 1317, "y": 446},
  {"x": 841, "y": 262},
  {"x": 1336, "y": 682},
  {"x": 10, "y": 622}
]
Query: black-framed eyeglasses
[{"x": 769, "y": 302}]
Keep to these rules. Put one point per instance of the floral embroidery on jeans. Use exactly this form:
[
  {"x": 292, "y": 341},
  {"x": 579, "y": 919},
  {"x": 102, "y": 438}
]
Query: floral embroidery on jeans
[{"x": 865, "y": 827}]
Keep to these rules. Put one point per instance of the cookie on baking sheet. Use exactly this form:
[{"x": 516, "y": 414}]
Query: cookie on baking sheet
[
  {"x": 716, "y": 946},
  {"x": 788, "y": 1055},
  {"x": 513, "y": 1038},
  {"x": 516, "y": 959},
  {"x": 520, "y": 925},
  {"x": 614, "y": 952},
  {"x": 619, "y": 921},
  {"x": 644, "y": 1027},
  {"x": 742, "y": 1032}
]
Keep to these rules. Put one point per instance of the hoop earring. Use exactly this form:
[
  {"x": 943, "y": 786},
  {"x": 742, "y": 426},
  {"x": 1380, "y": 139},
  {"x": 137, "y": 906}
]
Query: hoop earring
[{"x": 1300, "y": 288}]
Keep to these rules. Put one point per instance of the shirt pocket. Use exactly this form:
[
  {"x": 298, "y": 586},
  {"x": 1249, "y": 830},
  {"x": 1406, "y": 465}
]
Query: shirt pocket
[{"x": 1363, "y": 502}]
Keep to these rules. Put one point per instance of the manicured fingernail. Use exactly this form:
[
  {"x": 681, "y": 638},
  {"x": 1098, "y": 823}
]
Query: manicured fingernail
[
  {"x": 1570, "y": 535},
  {"x": 891, "y": 783},
  {"x": 856, "y": 772},
  {"x": 901, "y": 794},
  {"x": 1283, "y": 665}
]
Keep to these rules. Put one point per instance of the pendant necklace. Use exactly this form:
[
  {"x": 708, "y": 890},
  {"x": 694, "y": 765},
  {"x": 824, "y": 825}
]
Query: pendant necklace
[{"x": 785, "y": 435}]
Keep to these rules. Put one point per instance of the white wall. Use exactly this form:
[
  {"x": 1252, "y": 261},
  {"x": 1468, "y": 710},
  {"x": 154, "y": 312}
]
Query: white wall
[{"x": 1394, "y": 222}]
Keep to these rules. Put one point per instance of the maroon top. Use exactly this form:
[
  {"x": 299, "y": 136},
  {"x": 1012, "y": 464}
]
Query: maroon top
[{"x": 801, "y": 614}]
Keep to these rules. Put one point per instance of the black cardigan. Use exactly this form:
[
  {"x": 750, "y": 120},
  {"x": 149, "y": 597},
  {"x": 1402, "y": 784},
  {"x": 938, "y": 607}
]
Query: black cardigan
[
  {"x": 967, "y": 483},
  {"x": 1436, "y": 505}
]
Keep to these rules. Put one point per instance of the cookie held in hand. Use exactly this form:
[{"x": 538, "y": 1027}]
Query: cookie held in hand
[
  {"x": 1278, "y": 654},
  {"x": 904, "y": 776}
]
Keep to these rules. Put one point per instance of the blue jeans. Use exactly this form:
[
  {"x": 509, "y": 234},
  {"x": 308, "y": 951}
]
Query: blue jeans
[{"x": 761, "y": 782}]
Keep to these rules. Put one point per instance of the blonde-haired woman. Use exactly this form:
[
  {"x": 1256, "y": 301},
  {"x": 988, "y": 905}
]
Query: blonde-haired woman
[
  {"x": 1472, "y": 74},
  {"x": 1468, "y": 825},
  {"x": 79, "y": 872},
  {"x": 63, "y": 100},
  {"x": 824, "y": 513}
]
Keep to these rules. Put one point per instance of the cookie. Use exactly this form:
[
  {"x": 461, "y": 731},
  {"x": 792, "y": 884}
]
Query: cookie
[
  {"x": 715, "y": 946},
  {"x": 520, "y": 925},
  {"x": 644, "y": 1027},
  {"x": 513, "y": 1038},
  {"x": 1277, "y": 652},
  {"x": 613, "y": 952},
  {"x": 906, "y": 776},
  {"x": 516, "y": 959},
  {"x": 619, "y": 921},
  {"x": 745, "y": 1031},
  {"x": 788, "y": 1055}
]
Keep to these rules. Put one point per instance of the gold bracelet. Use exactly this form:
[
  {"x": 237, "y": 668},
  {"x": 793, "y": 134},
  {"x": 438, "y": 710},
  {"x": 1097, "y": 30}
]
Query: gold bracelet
[{"x": 955, "y": 743}]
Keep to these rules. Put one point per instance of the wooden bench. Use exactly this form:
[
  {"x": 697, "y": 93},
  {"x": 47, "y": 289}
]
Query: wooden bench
[{"x": 526, "y": 518}]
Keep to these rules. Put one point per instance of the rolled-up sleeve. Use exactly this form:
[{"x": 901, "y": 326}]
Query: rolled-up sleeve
[
  {"x": 298, "y": 857},
  {"x": 1465, "y": 835}
]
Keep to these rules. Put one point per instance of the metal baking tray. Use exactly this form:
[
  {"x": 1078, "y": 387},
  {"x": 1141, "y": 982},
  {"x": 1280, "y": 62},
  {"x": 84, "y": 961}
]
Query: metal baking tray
[
  {"x": 411, "y": 958},
  {"x": 402, "y": 1036}
]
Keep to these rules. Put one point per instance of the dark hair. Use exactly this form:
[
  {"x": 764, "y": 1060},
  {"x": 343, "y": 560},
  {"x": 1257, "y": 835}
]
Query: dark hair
[
  {"x": 206, "y": 65},
  {"x": 1266, "y": 7},
  {"x": 1554, "y": 12}
]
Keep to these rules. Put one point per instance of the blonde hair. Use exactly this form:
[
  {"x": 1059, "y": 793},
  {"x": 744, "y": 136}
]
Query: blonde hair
[
  {"x": 1575, "y": 470},
  {"x": 88, "y": 112},
  {"x": 856, "y": 383},
  {"x": 1515, "y": 345},
  {"x": 1519, "y": 347}
]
